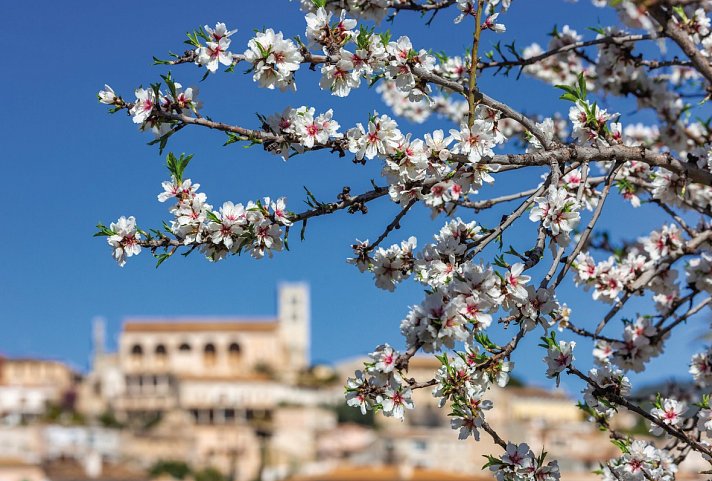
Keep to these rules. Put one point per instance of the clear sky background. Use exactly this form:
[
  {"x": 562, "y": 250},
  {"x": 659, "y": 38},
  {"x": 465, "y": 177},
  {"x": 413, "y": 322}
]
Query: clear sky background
[{"x": 67, "y": 165}]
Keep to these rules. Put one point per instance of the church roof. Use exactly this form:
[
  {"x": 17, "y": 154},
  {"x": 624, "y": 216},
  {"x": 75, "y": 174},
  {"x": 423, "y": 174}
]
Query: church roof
[
  {"x": 537, "y": 392},
  {"x": 200, "y": 324}
]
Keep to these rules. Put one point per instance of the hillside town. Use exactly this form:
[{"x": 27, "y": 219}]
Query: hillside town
[{"x": 222, "y": 399}]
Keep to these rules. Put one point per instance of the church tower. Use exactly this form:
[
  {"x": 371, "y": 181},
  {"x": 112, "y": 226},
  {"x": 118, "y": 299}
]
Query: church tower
[
  {"x": 294, "y": 320},
  {"x": 98, "y": 337}
]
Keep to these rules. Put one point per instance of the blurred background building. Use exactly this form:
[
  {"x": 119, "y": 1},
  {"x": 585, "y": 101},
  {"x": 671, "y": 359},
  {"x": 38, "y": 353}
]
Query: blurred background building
[{"x": 238, "y": 400}]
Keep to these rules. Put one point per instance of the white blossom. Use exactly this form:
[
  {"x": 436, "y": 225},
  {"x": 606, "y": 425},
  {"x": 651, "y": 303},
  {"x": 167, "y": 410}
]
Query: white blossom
[{"x": 124, "y": 239}]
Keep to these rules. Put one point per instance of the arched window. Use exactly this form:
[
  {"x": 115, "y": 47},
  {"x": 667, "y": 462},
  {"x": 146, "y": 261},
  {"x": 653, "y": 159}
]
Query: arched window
[
  {"x": 184, "y": 348},
  {"x": 234, "y": 353},
  {"x": 209, "y": 354},
  {"x": 161, "y": 354},
  {"x": 136, "y": 354}
]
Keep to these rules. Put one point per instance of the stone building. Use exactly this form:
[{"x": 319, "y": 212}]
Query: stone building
[
  {"x": 29, "y": 386},
  {"x": 223, "y": 383}
]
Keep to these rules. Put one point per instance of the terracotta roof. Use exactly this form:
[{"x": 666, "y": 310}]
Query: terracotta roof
[
  {"x": 226, "y": 377},
  {"x": 536, "y": 392},
  {"x": 13, "y": 462},
  {"x": 388, "y": 473},
  {"x": 31, "y": 360},
  {"x": 424, "y": 362},
  {"x": 202, "y": 324}
]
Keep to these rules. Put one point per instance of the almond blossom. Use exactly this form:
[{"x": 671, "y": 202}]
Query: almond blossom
[
  {"x": 559, "y": 357},
  {"x": 475, "y": 142},
  {"x": 669, "y": 412},
  {"x": 274, "y": 60},
  {"x": 144, "y": 105},
  {"x": 215, "y": 52},
  {"x": 124, "y": 239}
]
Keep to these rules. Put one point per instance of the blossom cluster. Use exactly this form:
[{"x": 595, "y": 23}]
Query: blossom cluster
[
  {"x": 423, "y": 169},
  {"x": 699, "y": 272},
  {"x": 377, "y": 10},
  {"x": 641, "y": 342},
  {"x": 444, "y": 106},
  {"x": 301, "y": 129},
  {"x": 464, "y": 294},
  {"x": 701, "y": 368},
  {"x": 561, "y": 68},
  {"x": 152, "y": 107},
  {"x": 559, "y": 356},
  {"x": 558, "y": 213},
  {"x": 607, "y": 379},
  {"x": 232, "y": 229},
  {"x": 255, "y": 227},
  {"x": 215, "y": 51},
  {"x": 380, "y": 386},
  {"x": 611, "y": 277},
  {"x": 372, "y": 56},
  {"x": 519, "y": 463},
  {"x": 591, "y": 124},
  {"x": 274, "y": 60},
  {"x": 641, "y": 460},
  {"x": 123, "y": 236},
  {"x": 463, "y": 381},
  {"x": 669, "y": 412}
]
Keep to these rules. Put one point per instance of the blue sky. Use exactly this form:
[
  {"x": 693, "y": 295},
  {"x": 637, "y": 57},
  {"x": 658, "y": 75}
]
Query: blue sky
[{"x": 68, "y": 165}]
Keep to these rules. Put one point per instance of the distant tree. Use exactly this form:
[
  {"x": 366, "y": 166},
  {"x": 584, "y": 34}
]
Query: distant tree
[
  {"x": 476, "y": 275},
  {"x": 58, "y": 413},
  {"x": 347, "y": 414},
  {"x": 173, "y": 468},
  {"x": 209, "y": 474},
  {"x": 108, "y": 420},
  {"x": 515, "y": 381}
]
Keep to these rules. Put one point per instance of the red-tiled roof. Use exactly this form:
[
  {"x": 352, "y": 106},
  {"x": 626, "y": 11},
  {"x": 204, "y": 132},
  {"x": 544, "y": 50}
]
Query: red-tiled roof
[{"x": 200, "y": 324}]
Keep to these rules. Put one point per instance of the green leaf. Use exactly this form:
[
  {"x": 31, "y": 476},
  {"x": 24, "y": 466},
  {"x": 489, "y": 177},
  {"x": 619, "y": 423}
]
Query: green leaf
[
  {"x": 177, "y": 165},
  {"x": 158, "y": 61},
  {"x": 103, "y": 231},
  {"x": 570, "y": 97},
  {"x": 582, "y": 85},
  {"x": 213, "y": 217},
  {"x": 385, "y": 37},
  {"x": 232, "y": 138},
  {"x": 170, "y": 83},
  {"x": 161, "y": 258}
]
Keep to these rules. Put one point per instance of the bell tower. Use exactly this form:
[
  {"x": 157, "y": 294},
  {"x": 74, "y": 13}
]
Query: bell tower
[{"x": 294, "y": 320}]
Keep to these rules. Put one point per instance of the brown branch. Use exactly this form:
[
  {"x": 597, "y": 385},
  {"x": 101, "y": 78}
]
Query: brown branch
[
  {"x": 611, "y": 39},
  {"x": 472, "y": 86},
  {"x": 691, "y": 312},
  {"x": 589, "y": 228},
  {"x": 620, "y": 400},
  {"x": 495, "y": 437},
  {"x": 673, "y": 31},
  {"x": 395, "y": 224},
  {"x": 661, "y": 265}
]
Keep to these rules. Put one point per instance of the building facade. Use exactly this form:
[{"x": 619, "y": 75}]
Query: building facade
[
  {"x": 221, "y": 382},
  {"x": 29, "y": 386}
]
